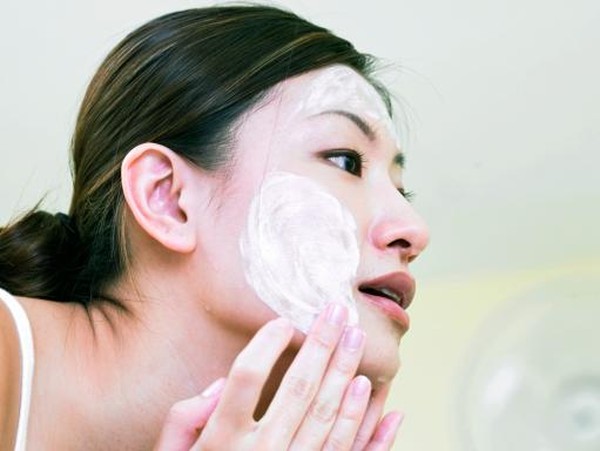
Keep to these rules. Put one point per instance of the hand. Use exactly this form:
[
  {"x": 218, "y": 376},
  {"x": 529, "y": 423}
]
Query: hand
[
  {"x": 320, "y": 404},
  {"x": 378, "y": 433}
]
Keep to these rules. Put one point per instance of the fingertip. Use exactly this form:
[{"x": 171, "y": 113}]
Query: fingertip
[
  {"x": 187, "y": 417},
  {"x": 361, "y": 386},
  {"x": 397, "y": 422},
  {"x": 396, "y": 426},
  {"x": 281, "y": 323},
  {"x": 281, "y": 326},
  {"x": 388, "y": 427},
  {"x": 401, "y": 419},
  {"x": 336, "y": 314}
]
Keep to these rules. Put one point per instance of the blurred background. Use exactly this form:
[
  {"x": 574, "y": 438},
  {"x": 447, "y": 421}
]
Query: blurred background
[{"x": 500, "y": 114}]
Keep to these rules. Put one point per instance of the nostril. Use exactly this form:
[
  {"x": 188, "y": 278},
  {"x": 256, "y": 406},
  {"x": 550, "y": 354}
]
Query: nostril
[{"x": 401, "y": 243}]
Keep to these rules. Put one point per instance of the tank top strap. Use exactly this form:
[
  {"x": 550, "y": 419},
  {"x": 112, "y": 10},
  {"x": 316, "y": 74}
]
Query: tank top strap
[{"x": 27, "y": 364}]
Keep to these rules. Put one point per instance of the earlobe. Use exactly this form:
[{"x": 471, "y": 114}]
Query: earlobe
[{"x": 153, "y": 178}]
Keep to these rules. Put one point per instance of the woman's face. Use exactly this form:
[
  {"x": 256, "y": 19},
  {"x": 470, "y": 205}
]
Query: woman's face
[{"x": 315, "y": 201}]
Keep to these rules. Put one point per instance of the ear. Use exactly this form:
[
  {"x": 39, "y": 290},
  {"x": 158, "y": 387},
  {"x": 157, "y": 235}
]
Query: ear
[{"x": 154, "y": 178}]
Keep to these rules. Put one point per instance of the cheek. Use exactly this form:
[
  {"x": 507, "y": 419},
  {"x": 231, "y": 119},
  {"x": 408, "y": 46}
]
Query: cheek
[
  {"x": 299, "y": 249},
  {"x": 356, "y": 203}
]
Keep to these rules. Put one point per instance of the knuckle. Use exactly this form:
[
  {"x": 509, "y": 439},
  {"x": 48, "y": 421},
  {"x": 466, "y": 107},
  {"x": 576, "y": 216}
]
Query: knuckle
[
  {"x": 323, "y": 411},
  {"x": 346, "y": 364},
  {"x": 361, "y": 440},
  {"x": 321, "y": 341},
  {"x": 353, "y": 412},
  {"x": 335, "y": 444},
  {"x": 353, "y": 415},
  {"x": 301, "y": 387}
]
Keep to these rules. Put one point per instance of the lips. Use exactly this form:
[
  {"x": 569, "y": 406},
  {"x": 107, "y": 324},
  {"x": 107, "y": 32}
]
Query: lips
[
  {"x": 398, "y": 287},
  {"x": 391, "y": 294}
]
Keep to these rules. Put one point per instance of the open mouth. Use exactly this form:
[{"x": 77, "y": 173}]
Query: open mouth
[
  {"x": 398, "y": 287},
  {"x": 384, "y": 293}
]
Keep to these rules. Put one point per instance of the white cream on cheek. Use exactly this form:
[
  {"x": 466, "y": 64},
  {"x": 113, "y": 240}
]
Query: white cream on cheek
[
  {"x": 341, "y": 88},
  {"x": 299, "y": 249}
]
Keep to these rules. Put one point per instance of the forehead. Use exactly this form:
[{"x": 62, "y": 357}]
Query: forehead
[
  {"x": 331, "y": 86},
  {"x": 335, "y": 89}
]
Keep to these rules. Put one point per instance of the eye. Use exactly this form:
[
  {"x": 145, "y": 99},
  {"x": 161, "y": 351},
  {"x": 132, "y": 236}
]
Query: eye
[
  {"x": 408, "y": 195},
  {"x": 347, "y": 160}
]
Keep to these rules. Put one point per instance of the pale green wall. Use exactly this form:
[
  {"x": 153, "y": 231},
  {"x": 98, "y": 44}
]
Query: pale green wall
[{"x": 450, "y": 318}]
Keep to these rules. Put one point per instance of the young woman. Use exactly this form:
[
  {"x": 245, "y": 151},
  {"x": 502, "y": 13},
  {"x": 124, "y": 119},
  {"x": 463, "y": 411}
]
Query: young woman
[{"x": 233, "y": 270}]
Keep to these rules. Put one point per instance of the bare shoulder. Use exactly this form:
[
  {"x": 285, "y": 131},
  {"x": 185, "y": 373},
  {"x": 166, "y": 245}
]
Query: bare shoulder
[{"x": 10, "y": 378}]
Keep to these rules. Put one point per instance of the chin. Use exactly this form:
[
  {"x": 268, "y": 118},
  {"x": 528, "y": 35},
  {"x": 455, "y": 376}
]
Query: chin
[
  {"x": 380, "y": 367},
  {"x": 381, "y": 359}
]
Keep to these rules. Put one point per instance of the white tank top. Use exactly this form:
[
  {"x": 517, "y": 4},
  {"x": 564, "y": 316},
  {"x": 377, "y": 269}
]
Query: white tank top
[{"x": 27, "y": 363}]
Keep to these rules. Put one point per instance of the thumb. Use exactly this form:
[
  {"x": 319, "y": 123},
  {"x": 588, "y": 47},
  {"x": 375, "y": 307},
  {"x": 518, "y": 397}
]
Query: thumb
[{"x": 187, "y": 418}]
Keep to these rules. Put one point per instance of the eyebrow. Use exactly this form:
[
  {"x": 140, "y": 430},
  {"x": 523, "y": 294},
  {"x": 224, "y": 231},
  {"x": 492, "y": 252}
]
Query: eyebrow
[
  {"x": 356, "y": 119},
  {"x": 398, "y": 160}
]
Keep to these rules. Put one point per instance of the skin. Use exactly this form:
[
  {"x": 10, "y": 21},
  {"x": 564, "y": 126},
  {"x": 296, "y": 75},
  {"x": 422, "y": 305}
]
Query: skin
[
  {"x": 300, "y": 249},
  {"x": 116, "y": 380}
]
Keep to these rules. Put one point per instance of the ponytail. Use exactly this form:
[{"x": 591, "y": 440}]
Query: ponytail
[{"x": 40, "y": 256}]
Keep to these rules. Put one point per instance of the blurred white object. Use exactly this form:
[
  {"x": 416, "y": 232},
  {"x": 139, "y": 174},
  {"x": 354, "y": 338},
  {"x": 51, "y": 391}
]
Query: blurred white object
[{"x": 532, "y": 379}]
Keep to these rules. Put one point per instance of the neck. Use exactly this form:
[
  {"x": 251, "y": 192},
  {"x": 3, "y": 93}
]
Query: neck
[{"x": 123, "y": 371}]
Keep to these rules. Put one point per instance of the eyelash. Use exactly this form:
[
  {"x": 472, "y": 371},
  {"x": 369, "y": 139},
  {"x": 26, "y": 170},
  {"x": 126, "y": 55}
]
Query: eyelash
[
  {"x": 359, "y": 161},
  {"x": 408, "y": 195}
]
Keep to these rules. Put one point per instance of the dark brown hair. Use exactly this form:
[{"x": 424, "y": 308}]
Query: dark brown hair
[{"x": 181, "y": 80}]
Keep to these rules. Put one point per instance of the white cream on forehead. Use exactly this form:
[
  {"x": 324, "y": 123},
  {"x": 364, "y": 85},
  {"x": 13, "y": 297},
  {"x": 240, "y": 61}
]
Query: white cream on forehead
[
  {"x": 300, "y": 249},
  {"x": 341, "y": 88}
]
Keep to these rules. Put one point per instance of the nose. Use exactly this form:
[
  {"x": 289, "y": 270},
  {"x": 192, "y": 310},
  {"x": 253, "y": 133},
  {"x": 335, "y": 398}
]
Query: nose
[{"x": 398, "y": 228}]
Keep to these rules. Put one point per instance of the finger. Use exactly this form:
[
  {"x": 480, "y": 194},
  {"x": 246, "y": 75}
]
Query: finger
[
  {"x": 350, "y": 417},
  {"x": 249, "y": 373},
  {"x": 304, "y": 376},
  {"x": 186, "y": 419},
  {"x": 374, "y": 411},
  {"x": 325, "y": 406},
  {"x": 385, "y": 434}
]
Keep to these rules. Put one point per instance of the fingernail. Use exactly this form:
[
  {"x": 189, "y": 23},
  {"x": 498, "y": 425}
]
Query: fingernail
[
  {"x": 393, "y": 430},
  {"x": 353, "y": 338},
  {"x": 281, "y": 322},
  {"x": 400, "y": 420},
  {"x": 336, "y": 314},
  {"x": 215, "y": 388},
  {"x": 361, "y": 386}
]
